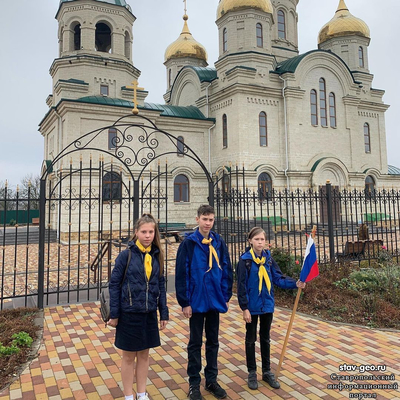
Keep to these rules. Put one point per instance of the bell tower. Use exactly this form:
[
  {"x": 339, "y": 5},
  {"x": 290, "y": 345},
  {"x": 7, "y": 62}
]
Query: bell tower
[{"x": 95, "y": 50}]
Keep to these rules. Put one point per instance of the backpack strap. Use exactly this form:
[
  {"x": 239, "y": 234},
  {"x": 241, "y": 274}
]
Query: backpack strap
[{"x": 248, "y": 265}]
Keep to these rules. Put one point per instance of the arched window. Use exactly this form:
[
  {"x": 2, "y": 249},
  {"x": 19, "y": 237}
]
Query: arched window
[
  {"x": 61, "y": 42},
  {"x": 369, "y": 184},
  {"x": 112, "y": 187},
  {"x": 281, "y": 25},
  {"x": 322, "y": 102},
  {"x": 169, "y": 77},
  {"x": 262, "y": 122},
  {"x": 361, "y": 57},
  {"x": 112, "y": 139},
  {"x": 180, "y": 144},
  {"x": 264, "y": 186},
  {"x": 77, "y": 37},
  {"x": 314, "y": 107},
  {"x": 332, "y": 109},
  {"x": 224, "y": 131},
  {"x": 181, "y": 188},
  {"x": 127, "y": 45},
  {"x": 259, "y": 34},
  {"x": 224, "y": 40},
  {"x": 103, "y": 38},
  {"x": 367, "y": 138}
]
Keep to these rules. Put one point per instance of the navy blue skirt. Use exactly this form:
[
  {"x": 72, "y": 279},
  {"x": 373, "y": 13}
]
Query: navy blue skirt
[{"x": 137, "y": 331}]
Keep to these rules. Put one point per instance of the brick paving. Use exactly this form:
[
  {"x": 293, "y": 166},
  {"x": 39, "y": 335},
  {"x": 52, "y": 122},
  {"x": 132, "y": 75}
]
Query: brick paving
[{"x": 77, "y": 359}]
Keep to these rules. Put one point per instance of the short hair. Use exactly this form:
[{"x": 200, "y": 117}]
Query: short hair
[{"x": 205, "y": 209}]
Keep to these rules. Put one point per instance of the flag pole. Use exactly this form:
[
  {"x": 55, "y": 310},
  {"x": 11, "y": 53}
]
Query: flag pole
[{"x": 296, "y": 303}]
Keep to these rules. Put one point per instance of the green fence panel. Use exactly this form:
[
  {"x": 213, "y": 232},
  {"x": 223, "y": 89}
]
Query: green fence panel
[{"x": 20, "y": 216}]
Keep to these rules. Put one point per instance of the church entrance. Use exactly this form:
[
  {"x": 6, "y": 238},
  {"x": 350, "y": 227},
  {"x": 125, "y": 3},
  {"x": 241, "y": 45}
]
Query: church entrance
[{"x": 91, "y": 195}]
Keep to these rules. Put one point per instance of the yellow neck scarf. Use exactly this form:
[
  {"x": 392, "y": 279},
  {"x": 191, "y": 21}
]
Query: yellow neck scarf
[
  {"x": 212, "y": 253},
  {"x": 147, "y": 258},
  {"x": 262, "y": 272}
]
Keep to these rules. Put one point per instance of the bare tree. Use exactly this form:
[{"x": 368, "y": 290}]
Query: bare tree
[
  {"x": 29, "y": 191},
  {"x": 7, "y": 197}
]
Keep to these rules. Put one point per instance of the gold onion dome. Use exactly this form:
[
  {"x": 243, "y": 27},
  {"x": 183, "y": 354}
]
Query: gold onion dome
[
  {"x": 343, "y": 24},
  {"x": 232, "y": 5},
  {"x": 185, "y": 46}
]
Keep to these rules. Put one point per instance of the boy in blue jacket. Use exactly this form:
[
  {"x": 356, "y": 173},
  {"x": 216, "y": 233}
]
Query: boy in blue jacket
[
  {"x": 257, "y": 272},
  {"x": 203, "y": 282}
]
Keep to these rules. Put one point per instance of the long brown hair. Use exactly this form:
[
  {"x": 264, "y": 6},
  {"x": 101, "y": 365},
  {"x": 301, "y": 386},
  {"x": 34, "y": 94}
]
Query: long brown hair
[
  {"x": 149, "y": 219},
  {"x": 256, "y": 231}
]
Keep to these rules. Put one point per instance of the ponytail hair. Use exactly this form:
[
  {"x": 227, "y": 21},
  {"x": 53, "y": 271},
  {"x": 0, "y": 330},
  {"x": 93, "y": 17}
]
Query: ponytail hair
[
  {"x": 256, "y": 231},
  {"x": 149, "y": 219}
]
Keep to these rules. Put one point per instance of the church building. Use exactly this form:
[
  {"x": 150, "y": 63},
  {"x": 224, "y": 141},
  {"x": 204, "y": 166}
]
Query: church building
[{"x": 291, "y": 120}]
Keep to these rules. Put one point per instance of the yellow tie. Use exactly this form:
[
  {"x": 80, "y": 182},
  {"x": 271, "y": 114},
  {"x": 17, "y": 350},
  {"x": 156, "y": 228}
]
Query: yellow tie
[
  {"x": 212, "y": 253},
  {"x": 147, "y": 258},
  {"x": 262, "y": 272}
]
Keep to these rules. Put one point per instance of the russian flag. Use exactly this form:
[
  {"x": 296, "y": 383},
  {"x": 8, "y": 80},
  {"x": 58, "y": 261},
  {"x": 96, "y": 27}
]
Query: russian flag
[{"x": 309, "y": 270}]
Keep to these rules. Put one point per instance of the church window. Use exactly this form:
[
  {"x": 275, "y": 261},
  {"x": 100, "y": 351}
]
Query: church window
[
  {"x": 180, "y": 144},
  {"x": 332, "y": 109},
  {"x": 224, "y": 40},
  {"x": 226, "y": 183},
  {"x": 112, "y": 139},
  {"x": 77, "y": 37},
  {"x": 361, "y": 57},
  {"x": 264, "y": 186},
  {"x": 322, "y": 102},
  {"x": 104, "y": 90},
  {"x": 314, "y": 107},
  {"x": 103, "y": 38},
  {"x": 367, "y": 138},
  {"x": 112, "y": 187},
  {"x": 369, "y": 184},
  {"x": 181, "y": 189},
  {"x": 259, "y": 33},
  {"x": 281, "y": 25},
  {"x": 262, "y": 119},
  {"x": 169, "y": 77},
  {"x": 127, "y": 45},
  {"x": 224, "y": 131}
]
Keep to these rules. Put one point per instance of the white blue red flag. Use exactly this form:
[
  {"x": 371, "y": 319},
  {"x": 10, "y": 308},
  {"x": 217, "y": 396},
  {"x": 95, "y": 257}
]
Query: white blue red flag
[{"x": 310, "y": 270}]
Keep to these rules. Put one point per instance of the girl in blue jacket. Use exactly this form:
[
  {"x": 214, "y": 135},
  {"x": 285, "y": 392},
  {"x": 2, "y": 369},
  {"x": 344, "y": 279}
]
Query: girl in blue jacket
[
  {"x": 134, "y": 300},
  {"x": 256, "y": 273}
]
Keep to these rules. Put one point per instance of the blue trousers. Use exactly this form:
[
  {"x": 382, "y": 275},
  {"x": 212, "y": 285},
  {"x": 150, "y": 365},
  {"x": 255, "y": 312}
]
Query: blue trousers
[{"x": 197, "y": 322}]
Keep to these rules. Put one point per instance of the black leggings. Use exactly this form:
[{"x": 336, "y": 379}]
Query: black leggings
[{"x": 251, "y": 337}]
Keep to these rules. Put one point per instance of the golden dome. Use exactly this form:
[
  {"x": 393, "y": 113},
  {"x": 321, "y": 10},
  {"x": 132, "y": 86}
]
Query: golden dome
[
  {"x": 343, "y": 24},
  {"x": 232, "y": 5},
  {"x": 185, "y": 46}
]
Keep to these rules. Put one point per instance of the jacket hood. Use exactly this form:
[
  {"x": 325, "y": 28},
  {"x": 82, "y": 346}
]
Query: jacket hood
[
  {"x": 196, "y": 236},
  {"x": 132, "y": 246},
  {"x": 247, "y": 256}
]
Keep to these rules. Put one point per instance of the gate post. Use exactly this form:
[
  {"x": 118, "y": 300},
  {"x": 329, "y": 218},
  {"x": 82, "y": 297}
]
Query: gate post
[
  {"x": 211, "y": 193},
  {"x": 136, "y": 199},
  {"x": 330, "y": 220},
  {"x": 42, "y": 233}
]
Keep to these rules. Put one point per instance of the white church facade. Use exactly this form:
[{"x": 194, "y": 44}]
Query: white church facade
[{"x": 291, "y": 120}]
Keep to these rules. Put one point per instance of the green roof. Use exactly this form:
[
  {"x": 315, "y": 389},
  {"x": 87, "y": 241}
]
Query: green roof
[
  {"x": 121, "y": 3},
  {"x": 240, "y": 67},
  {"x": 205, "y": 74},
  {"x": 291, "y": 64},
  {"x": 72, "y": 80},
  {"x": 392, "y": 170},
  {"x": 190, "y": 112}
]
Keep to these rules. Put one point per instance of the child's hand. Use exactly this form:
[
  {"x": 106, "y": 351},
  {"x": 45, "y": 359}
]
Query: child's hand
[
  {"x": 300, "y": 284},
  {"x": 187, "y": 311},
  {"x": 163, "y": 325},
  {"x": 247, "y": 316},
  {"x": 113, "y": 322}
]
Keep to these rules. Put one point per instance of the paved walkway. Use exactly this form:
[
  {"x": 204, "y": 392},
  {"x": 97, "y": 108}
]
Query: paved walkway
[{"x": 77, "y": 359}]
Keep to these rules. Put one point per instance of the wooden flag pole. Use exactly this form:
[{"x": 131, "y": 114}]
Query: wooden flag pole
[{"x": 296, "y": 303}]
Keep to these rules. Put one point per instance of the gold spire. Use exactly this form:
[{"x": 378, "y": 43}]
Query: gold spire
[
  {"x": 343, "y": 24},
  {"x": 185, "y": 45},
  {"x": 232, "y": 5}
]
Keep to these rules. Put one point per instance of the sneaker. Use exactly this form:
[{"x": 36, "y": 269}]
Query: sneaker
[
  {"x": 252, "y": 381},
  {"x": 215, "y": 389},
  {"x": 270, "y": 379},
  {"x": 194, "y": 393},
  {"x": 145, "y": 397}
]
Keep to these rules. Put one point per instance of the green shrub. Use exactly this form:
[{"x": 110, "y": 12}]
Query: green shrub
[
  {"x": 12, "y": 222},
  {"x": 22, "y": 339},
  {"x": 289, "y": 264},
  {"x": 9, "y": 350}
]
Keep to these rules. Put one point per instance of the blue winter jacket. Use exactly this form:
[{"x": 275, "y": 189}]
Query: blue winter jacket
[
  {"x": 203, "y": 291},
  {"x": 248, "y": 284},
  {"x": 136, "y": 293}
]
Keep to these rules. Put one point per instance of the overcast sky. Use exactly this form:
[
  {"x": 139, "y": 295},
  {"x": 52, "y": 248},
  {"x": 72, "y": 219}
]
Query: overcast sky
[{"x": 29, "y": 36}]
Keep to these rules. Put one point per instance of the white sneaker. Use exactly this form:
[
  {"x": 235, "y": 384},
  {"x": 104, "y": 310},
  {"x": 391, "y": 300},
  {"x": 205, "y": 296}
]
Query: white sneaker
[{"x": 145, "y": 397}]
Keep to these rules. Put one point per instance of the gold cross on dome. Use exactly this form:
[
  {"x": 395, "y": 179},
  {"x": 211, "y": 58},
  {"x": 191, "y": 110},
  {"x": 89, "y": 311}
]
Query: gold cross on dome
[
  {"x": 185, "y": 7},
  {"x": 135, "y": 88}
]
